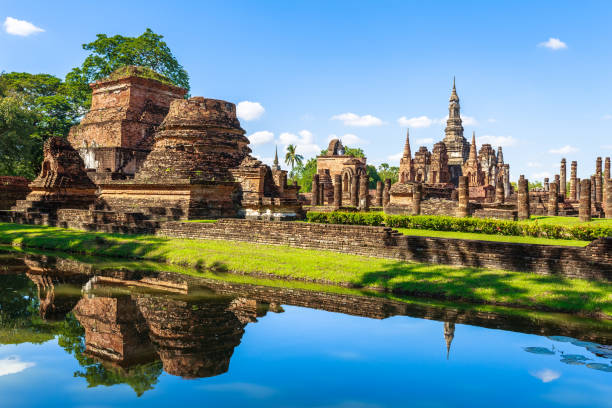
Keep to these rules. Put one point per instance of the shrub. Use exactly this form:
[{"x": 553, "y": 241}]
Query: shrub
[{"x": 477, "y": 225}]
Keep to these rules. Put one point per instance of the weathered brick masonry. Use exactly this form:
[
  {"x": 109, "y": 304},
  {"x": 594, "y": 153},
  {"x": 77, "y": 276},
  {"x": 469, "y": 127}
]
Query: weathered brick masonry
[{"x": 592, "y": 262}]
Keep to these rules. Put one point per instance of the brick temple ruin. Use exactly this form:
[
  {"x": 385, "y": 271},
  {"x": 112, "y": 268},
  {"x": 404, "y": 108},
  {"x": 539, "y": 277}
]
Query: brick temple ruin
[
  {"x": 145, "y": 154},
  {"x": 143, "y": 151}
]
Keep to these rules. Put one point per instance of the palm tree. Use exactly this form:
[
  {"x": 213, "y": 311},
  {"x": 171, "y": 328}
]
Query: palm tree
[{"x": 292, "y": 158}]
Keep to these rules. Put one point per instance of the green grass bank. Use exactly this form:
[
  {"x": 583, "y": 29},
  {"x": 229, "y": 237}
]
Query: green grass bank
[{"x": 475, "y": 285}]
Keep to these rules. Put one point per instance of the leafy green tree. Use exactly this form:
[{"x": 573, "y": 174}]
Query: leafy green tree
[
  {"x": 535, "y": 184},
  {"x": 354, "y": 152},
  {"x": 387, "y": 172},
  {"x": 304, "y": 174},
  {"x": 110, "y": 53},
  {"x": 373, "y": 176},
  {"x": 292, "y": 158}
]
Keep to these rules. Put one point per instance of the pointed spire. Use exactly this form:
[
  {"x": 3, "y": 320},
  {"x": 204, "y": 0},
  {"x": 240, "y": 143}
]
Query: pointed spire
[
  {"x": 407, "y": 153},
  {"x": 276, "y": 166},
  {"x": 449, "y": 335},
  {"x": 473, "y": 154},
  {"x": 454, "y": 96}
]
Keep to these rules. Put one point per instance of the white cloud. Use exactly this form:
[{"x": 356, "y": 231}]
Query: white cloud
[
  {"x": 348, "y": 139},
  {"x": 20, "y": 27},
  {"x": 465, "y": 120},
  {"x": 416, "y": 122},
  {"x": 606, "y": 117},
  {"x": 534, "y": 164},
  {"x": 553, "y": 44},
  {"x": 304, "y": 142},
  {"x": 609, "y": 147},
  {"x": 13, "y": 365},
  {"x": 261, "y": 137},
  {"x": 491, "y": 120},
  {"x": 564, "y": 150},
  {"x": 267, "y": 160},
  {"x": 546, "y": 375},
  {"x": 504, "y": 141},
  {"x": 541, "y": 175},
  {"x": 247, "y": 110},
  {"x": 395, "y": 157},
  {"x": 427, "y": 140},
  {"x": 248, "y": 389},
  {"x": 352, "y": 119}
]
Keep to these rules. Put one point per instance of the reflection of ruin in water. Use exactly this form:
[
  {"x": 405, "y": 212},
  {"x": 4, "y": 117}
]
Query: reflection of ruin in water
[{"x": 133, "y": 318}]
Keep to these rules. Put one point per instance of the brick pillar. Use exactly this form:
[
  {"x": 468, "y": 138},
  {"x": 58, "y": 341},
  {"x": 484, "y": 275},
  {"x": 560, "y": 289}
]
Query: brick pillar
[
  {"x": 464, "y": 197},
  {"x": 337, "y": 191},
  {"x": 315, "y": 190},
  {"x": 563, "y": 174},
  {"x": 355, "y": 190},
  {"x": 417, "y": 192},
  {"x": 584, "y": 209},
  {"x": 379, "y": 193},
  {"x": 363, "y": 194},
  {"x": 607, "y": 169},
  {"x": 546, "y": 184},
  {"x": 507, "y": 184},
  {"x": 598, "y": 176},
  {"x": 573, "y": 195},
  {"x": 499, "y": 192},
  {"x": 593, "y": 198},
  {"x": 558, "y": 182},
  {"x": 322, "y": 194},
  {"x": 553, "y": 196},
  {"x": 523, "y": 198},
  {"x": 578, "y": 192},
  {"x": 608, "y": 198},
  {"x": 387, "y": 192}
]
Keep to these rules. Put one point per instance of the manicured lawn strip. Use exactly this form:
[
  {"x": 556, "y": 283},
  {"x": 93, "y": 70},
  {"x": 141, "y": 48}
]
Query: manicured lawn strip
[
  {"x": 435, "y": 281},
  {"x": 490, "y": 237},
  {"x": 544, "y": 219}
]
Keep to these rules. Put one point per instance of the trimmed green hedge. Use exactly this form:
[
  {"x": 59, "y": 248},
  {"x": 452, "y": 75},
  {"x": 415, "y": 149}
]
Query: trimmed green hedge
[{"x": 477, "y": 225}]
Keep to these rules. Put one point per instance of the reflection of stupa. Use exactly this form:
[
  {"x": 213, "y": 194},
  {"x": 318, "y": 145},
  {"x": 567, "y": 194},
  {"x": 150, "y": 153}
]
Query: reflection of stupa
[
  {"x": 449, "y": 334},
  {"x": 194, "y": 338}
]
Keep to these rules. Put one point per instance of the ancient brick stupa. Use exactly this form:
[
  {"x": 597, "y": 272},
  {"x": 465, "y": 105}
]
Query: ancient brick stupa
[
  {"x": 200, "y": 167},
  {"x": 62, "y": 182}
]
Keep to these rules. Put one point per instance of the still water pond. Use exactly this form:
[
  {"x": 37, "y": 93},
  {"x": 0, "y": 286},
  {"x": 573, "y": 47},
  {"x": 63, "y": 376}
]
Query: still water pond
[{"x": 73, "y": 335}]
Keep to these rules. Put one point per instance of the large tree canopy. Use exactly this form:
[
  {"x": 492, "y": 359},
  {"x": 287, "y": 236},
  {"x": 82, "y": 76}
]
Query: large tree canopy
[{"x": 110, "y": 53}]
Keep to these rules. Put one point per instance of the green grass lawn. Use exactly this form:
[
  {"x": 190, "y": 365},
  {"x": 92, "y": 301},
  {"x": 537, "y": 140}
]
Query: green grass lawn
[
  {"x": 437, "y": 281},
  {"x": 570, "y": 221},
  {"x": 491, "y": 237}
]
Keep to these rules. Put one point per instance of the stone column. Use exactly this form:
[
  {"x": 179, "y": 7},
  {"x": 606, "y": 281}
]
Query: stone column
[
  {"x": 607, "y": 169},
  {"x": 315, "y": 190},
  {"x": 593, "y": 197},
  {"x": 578, "y": 193},
  {"x": 573, "y": 196},
  {"x": 598, "y": 175},
  {"x": 523, "y": 198},
  {"x": 387, "y": 193},
  {"x": 322, "y": 194},
  {"x": 558, "y": 182},
  {"x": 507, "y": 180},
  {"x": 546, "y": 184},
  {"x": 553, "y": 196},
  {"x": 379, "y": 193},
  {"x": 584, "y": 209},
  {"x": 563, "y": 173},
  {"x": 337, "y": 191},
  {"x": 363, "y": 194},
  {"x": 417, "y": 192},
  {"x": 499, "y": 192},
  {"x": 355, "y": 190},
  {"x": 464, "y": 197},
  {"x": 608, "y": 199}
]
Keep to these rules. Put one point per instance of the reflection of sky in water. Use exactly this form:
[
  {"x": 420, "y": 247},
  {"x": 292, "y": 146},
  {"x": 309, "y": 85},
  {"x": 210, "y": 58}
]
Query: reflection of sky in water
[{"x": 311, "y": 358}]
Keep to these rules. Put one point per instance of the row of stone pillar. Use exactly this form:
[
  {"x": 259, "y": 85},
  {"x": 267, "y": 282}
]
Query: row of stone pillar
[{"x": 359, "y": 195}]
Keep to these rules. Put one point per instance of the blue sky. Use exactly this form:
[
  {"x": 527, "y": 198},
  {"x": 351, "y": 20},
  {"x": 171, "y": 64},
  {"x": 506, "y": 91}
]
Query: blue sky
[{"x": 310, "y": 63}]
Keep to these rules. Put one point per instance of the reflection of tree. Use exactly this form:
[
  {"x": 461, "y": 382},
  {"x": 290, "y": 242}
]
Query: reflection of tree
[
  {"x": 141, "y": 377},
  {"x": 19, "y": 318}
]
